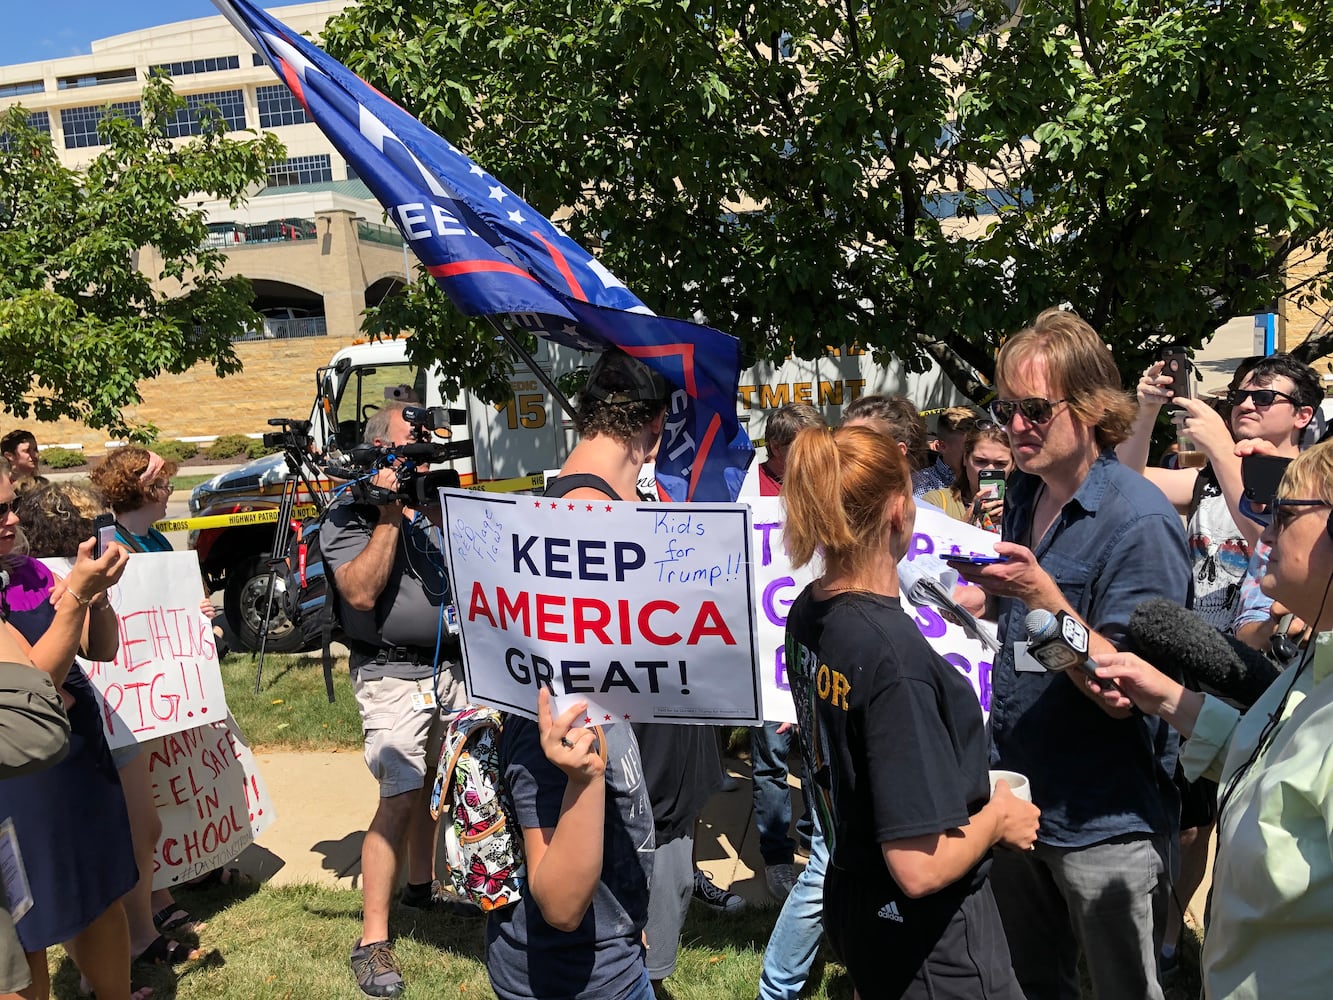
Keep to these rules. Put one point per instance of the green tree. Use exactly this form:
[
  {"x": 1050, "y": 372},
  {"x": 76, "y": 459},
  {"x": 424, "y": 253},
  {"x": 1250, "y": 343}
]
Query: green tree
[
  {"x": 80, "y": 324},
  {"x": 916, "y": 177}
]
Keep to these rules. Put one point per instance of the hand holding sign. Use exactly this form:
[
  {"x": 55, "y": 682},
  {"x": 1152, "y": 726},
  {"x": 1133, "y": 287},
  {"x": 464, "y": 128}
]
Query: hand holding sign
[{"x": 572, "y": 750}]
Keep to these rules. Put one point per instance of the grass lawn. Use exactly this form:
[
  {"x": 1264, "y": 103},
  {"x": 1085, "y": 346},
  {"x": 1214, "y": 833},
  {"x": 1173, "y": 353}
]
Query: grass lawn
[
  {"x": 189, "y": 482},
  {"x": 293, "y": 941}
]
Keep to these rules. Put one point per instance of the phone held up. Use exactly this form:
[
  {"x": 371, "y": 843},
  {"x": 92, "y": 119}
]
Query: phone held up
[
  {"x": 1176, "y": 363},
  {"x": 104, "y": 528},
  {"x": 991, "y": 478}
]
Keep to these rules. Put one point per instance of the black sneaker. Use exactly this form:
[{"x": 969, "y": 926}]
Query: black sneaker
[
  {"x": 437, "y": 899},
  {"x": 719, "y": 900},
  {"x": 376, "y": 970}
]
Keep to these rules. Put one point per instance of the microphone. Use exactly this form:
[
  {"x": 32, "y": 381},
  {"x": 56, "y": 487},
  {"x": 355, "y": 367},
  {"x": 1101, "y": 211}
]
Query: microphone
[
  {"x": 1163, "y": 632},
  {"x": 1059, "y": 642}
]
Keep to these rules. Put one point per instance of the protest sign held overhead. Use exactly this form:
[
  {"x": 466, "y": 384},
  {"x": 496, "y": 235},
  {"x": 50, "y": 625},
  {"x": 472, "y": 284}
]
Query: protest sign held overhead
[
  {"x": 165, "y": 676},
  {"x": 644, "y": 610},
  {"x": 210, "y": 798},
  {"x": 936, "y": 538}
]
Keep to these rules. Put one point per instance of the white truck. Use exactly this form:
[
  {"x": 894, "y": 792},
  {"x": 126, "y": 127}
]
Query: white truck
[{"x": 521, "y": 437}]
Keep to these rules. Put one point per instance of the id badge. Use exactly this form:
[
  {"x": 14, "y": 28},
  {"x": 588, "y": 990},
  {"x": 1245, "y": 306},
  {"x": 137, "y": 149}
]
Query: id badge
[
  {"x": 451, "y": 619},
  {"x": 423, "y": 699},
  {"x": 12, "y": 873},
  {"x": 1025, "y": 662}
]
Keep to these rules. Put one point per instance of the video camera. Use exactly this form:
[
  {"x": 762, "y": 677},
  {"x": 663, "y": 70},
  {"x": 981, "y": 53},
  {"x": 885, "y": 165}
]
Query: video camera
[
  {"x": 295, "y": 434},
  {"x": 415, "y": 487}
]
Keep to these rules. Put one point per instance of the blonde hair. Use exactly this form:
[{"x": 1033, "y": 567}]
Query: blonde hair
[
  {"x": 836, "y": 491},
  {"x": 1310, "y": 475},
  {"x": 1079, "y": 367}
]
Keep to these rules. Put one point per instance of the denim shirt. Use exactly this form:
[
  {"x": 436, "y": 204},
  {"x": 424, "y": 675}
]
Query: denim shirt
[{"x": 1115, "y": 543}]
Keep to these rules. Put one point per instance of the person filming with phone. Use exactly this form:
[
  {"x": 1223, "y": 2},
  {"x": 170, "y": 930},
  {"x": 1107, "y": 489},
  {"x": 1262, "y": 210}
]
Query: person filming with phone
[
  {"x": 1270, "y": 916},
  {"x": 1087, "y": 539},
  {"x": 978, "y": 496}
]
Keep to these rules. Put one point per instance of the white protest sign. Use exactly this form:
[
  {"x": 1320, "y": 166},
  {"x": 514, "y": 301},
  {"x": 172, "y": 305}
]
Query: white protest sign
[
  {"x": 210, "y": 798},
  {"x": 778, "y": 583},
  {"x": 165, "y": 675},
  {"x": 644, "y": 610}
]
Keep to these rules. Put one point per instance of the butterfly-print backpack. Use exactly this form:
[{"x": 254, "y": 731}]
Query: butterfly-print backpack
[{"x": 483, "y": 847}]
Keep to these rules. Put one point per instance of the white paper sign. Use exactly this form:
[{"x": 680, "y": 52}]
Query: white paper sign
[
  {"x": 210, "y": 798},
  {"x": 937, "y": 536},
  {"x": 644, "y": 610},
  {"x": 165, "y": 676}
]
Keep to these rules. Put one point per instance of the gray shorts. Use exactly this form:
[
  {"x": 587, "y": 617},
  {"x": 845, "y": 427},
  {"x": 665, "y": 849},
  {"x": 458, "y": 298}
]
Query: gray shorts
[
  {"x": 668, "y": 901},
  {"x": 402, "y": 741}
]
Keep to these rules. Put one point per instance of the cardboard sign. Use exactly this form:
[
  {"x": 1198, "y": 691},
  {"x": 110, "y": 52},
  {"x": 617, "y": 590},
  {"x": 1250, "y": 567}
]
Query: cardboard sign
[
  {"x": 210, "y": 798},
  {"x": 644, "y": 610},
  {"x": 936, "y": 537},
  {"x": 165, "y": 676}
]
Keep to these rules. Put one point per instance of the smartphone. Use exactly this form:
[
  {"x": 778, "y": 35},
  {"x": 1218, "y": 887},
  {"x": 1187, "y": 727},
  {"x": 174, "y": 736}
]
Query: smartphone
[
  {"x": 992, "y": 477},
  {"x": 976, "y": 560},
  {"x": 1176, "y": 363},
  {"x": 104, "y": 528},
  {"x": 1260, "y": 475}
]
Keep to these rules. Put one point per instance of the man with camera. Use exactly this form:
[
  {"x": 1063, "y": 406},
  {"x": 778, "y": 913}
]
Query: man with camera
[{"x": 394, "y": 601}]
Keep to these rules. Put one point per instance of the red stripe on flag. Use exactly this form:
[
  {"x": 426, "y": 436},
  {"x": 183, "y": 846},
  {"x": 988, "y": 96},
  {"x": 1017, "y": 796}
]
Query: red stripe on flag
[
  {"x": 476, "y": 266},
  {"x": 686, "y": 353},
  {"x": 707, "y": 443},
  {"x": 563, "y": 267},
  {"x": 293, "y": 81}
]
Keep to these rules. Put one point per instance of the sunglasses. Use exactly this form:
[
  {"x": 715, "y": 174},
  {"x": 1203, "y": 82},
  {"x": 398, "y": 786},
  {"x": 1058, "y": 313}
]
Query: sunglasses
[
  {"x": 1035, "y": 410},
  {"x": 1261, "y": 397},
  {"x": 1280, "y": 508}
]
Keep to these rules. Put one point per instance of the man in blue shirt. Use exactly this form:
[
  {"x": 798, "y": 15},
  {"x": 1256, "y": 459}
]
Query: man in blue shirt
[{"x": 1084, "y": 536}]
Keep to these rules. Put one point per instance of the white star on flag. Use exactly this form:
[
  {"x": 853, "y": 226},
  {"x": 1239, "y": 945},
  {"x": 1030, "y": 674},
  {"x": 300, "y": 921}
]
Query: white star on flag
[
  {"x": 516, "y": 217},
  {"x": 498, "y": 193},
  {"x": 477, "y": 170}
]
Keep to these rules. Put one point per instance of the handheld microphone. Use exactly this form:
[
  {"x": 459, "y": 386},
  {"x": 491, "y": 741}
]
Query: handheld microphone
[
  {"x": 1060, "y": 642},
  {"x": 1166, "y": 634}
]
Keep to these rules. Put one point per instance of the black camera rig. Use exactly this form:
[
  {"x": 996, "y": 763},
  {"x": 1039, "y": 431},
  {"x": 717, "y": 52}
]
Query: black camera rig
[{"x": 414, "y": 487}]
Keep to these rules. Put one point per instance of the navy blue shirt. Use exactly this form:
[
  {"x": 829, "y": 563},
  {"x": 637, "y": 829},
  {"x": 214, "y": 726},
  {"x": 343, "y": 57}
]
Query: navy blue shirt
[{"x": 1116, "y": 543}]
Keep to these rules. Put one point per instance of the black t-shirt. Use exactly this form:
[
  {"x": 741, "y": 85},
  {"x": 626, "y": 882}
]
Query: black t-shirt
[
  {"x": 682, "y": 768},
  {"x": 892, "y": 732}
]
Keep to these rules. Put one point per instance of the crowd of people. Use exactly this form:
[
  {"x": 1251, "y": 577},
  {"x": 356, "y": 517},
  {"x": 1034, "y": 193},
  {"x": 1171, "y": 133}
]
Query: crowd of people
[{"x": 927, "y": 876}]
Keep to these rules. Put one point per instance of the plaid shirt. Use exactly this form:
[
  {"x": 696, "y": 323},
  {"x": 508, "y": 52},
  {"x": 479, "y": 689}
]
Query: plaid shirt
[{"x": 936, "y": 477}]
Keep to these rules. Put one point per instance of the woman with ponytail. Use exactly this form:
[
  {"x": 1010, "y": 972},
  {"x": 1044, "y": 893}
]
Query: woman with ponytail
[{"x": 893, "y": 740}]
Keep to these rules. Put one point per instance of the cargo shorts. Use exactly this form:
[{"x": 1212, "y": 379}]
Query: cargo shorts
[{"x": 402, "y": 739}]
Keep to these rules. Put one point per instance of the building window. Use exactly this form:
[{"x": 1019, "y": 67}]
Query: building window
[
  {"x": 278, "y": 106},
  {"x": 300, "y": 170},
  {"x": 351, "y": 173},
  {"x": 19, "y": 89},
  {"x": 189, "y": 66},
  {"x": 80, "y": 124},
  {"x": 97, "y": 79},
  {"x": 258, "y": 59},
  {"x": 229, "y": 105},
  {"x": 39, "y": 120}
]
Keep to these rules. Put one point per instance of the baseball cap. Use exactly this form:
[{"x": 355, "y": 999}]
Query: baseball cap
[{"x": 619, "y": 378}]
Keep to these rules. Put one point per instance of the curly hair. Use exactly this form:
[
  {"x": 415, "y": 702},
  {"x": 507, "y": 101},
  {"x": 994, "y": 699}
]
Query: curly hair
[
  {"x": 620, "y": 421},
  {"x": 57, "y": 517},
  {"x": 117, "y": 477}
]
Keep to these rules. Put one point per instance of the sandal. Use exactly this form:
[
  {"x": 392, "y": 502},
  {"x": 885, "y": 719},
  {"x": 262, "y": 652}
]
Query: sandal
[
  {"x": 174, "y": 917},
  {"x": 164, "y": 951}
]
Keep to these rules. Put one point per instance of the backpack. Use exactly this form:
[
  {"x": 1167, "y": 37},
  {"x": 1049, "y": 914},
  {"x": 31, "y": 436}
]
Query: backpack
[{"x": 483, "y": 846}]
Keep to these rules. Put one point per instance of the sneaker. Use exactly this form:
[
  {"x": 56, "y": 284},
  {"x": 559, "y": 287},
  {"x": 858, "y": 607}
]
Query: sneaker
[
  {"x": 781, "y": 879},
  {"x": 438, "y": 899},
  {"x": 376, "y": 970},
  {"x": 719, "y": 900}
]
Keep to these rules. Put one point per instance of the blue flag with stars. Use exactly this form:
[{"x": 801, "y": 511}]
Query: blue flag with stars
[{"x": 494, "y": 255}]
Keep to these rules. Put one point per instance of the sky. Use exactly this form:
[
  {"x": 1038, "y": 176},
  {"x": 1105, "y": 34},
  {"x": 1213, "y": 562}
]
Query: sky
[{"x": 36, "y": 31}]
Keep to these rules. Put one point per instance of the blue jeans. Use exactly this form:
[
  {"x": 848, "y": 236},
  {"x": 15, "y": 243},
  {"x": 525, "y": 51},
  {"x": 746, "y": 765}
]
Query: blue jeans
[
  {"x": 772, "y": 796},
  {"x": 643, "y": 989},
  {"x": 795, "y": 939}
]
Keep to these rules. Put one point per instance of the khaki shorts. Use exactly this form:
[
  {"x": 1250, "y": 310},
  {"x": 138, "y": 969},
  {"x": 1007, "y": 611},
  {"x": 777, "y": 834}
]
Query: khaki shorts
[{"x": 401, "y": 741}]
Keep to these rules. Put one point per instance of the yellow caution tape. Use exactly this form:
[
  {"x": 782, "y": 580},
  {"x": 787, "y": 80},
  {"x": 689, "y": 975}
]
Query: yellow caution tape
[
  {"x": 536, "y": 481},
  {"x": 300, "y": 511}
]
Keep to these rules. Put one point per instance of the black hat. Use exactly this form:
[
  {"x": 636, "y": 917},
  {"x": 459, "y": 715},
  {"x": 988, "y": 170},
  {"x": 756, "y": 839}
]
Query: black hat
[{"x": 619, "y": 378}]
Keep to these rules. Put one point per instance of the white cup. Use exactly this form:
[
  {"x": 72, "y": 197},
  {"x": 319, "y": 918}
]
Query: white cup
[{"x": 1018, "y": 784}]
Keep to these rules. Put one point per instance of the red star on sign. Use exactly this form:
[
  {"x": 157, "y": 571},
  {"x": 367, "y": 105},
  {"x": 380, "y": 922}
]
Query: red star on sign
[
  {"x": 536, "y": 503},
  {"x": 626, "y": 715},
  {"x": 606, "y": 718},
  {"x": 571, "y": 506},
  {"x": 554, "y": 505},
  {"x": 608, "y": 508},
  {"x": 590, "y": 506},
  {"x": 587, "y": 718}
]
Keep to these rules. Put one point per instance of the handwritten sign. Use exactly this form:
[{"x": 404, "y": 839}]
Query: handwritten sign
[
  {"x": 165, "y": 676},
  {"x": 210, "y": 798},
  {"x": 644, "y": 610},
  {"x": 778, "y": 583}
]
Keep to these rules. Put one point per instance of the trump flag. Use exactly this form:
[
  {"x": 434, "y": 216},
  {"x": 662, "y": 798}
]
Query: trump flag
[{"x": 494, "y": 255}]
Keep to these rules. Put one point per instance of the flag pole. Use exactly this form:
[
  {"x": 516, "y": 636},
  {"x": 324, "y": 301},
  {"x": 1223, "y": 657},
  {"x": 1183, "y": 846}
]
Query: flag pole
[{"x": 517, "y": 347}]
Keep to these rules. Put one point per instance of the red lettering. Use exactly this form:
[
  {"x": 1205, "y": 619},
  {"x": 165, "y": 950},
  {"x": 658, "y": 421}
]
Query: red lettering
[
  {"x": 478, "y": 608},
  {"x": 708, "y": 613},
  {"x": 584, "y": 622},
  {"x": 516, "y": 611},
  {"x": 550, "y": 617},
  {"x": 646, "y": 625}
]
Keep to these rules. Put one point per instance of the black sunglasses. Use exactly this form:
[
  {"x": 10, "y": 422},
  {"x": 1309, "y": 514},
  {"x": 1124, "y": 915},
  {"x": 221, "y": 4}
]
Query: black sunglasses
[
  {"x": 1261, "y": 397},
  {"x": 1275, "y": 509},
  {"x": 1035, "y": 410}
]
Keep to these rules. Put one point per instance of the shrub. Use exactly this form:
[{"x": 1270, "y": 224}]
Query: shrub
[
  {"x": 256, "y": 449},
  {"x": 175, "y": 451},
  {"x": 229, "y": 446},
  {"x": 62, "y": 458}
]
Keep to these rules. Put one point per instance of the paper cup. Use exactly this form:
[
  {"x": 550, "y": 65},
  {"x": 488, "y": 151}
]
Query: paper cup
[{"x": 1018, "y": 784}]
